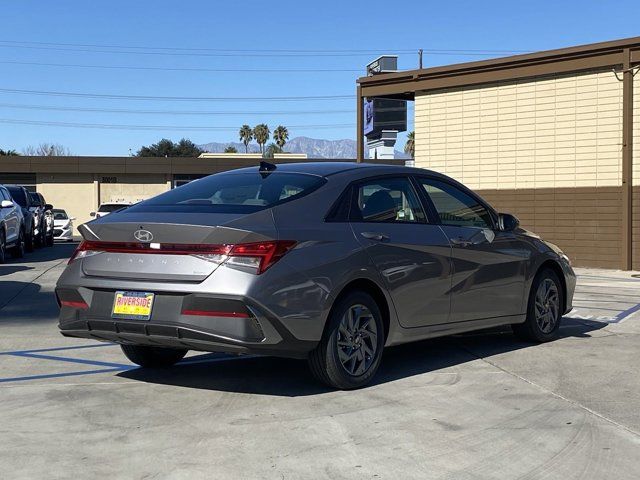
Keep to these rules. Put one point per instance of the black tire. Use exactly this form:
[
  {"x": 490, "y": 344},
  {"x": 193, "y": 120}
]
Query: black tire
[
  {"x": 324, "y": 360},
  {"x": 153, "y": 357},
  {"x": 531, "y": 330},
  {"x": 18, "y": 250},
  {"x": 50, "y": 240},
  {"x": 3, "y": 246},
  {"x": 29, "y": 241}
]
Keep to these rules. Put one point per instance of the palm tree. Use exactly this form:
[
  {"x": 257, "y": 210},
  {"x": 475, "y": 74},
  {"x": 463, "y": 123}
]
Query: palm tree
[
  {"x": 230, "y": 149},
  {"x": 271, "y": 150},
  {"x": 281, "y": 135},
  {"x": 261, "y": 134},
  {"x": 410, "y": 146},
  {"x": 246, "y": 135}
]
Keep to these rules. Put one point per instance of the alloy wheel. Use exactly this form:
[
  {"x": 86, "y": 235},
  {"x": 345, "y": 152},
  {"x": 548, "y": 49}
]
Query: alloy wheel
[
  {"x": 357, "y": 340},
  {"x": 547, "y": 305}
]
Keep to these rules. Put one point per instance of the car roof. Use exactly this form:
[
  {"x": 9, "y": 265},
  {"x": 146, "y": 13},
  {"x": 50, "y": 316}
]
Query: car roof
[{"x": 328, "y": 168}]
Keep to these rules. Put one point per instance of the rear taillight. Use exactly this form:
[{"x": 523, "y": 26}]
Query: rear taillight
[
  {"x": 74, "y": 304},
  {"x": 258, "y": 256}
]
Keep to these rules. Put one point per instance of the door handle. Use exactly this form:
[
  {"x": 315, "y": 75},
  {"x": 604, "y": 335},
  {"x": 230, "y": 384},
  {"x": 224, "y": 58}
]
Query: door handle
[
  {"x": 461, "y": 242},
  {"x": 380, "y": 237}
]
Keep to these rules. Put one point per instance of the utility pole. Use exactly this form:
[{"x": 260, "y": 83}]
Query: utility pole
[{"x": 420, "y": 59}]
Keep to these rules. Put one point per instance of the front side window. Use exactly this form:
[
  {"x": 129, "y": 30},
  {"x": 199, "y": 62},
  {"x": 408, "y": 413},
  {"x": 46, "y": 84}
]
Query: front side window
[
  {"x": 390, "y": 200},
  {"x": 456, "y": 207}
]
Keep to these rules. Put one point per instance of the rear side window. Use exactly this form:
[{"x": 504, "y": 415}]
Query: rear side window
[
  {"x": 239, "y": 192},
  {"x": 4, "y": 195},
  {"x": 18, "y": 195},
  {"x": 389, "y": 200}
]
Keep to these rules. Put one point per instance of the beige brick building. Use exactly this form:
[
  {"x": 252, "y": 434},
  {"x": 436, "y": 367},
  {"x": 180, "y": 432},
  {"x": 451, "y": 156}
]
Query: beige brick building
[{"x": 546, "y": 136}]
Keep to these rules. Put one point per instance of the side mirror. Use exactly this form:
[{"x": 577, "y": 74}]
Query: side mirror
[
  {"x": 48, "y": 206},
  {"x": 507, "y": 222},
  {"x": 92, "y": 214},
  {"x": 6, "y": 204},
  {"x": 72, "y": 218}
]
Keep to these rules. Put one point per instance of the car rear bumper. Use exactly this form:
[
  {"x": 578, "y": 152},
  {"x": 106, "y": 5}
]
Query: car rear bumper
[{"x": 257, "y": 333}]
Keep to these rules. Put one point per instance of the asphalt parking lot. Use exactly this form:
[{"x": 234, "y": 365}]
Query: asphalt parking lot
[{"x": 473, "y": 406}]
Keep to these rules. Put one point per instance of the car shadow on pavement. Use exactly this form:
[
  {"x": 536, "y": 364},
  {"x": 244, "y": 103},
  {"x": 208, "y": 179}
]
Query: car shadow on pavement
[
  {"x": 59, "y": 251},
  {"x": 292, "y": 378},
  {"x": 9, "y": 269}
]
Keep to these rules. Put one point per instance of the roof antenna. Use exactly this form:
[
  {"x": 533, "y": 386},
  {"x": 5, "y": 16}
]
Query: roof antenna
[{"x": 266, "y": 168}]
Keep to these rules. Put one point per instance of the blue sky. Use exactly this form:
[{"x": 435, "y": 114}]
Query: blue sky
[{"x": 216, "y": 28}]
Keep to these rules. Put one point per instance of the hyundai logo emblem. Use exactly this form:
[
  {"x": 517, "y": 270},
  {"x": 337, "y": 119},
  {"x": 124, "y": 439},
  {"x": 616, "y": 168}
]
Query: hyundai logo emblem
[{"x": 143, "y": 235}]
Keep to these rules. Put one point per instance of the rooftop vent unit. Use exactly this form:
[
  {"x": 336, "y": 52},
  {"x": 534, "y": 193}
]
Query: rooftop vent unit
[{"x": 383, "y": 64}]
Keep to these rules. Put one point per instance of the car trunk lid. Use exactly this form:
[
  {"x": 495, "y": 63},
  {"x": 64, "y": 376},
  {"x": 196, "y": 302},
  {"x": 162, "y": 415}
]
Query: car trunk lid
[{"x": 168, "y": 247}]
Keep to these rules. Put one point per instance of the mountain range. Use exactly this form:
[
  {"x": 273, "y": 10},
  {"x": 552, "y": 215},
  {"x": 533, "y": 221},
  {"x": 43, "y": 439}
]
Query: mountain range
[{"x": 312, "y": 147}]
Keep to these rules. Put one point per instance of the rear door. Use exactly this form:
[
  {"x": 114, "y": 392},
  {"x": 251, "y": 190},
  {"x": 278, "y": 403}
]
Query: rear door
[
  {"x": 411, "y": 254},
  {"x": 10, "y": 216},
  {"x": 489, "y": 265}
]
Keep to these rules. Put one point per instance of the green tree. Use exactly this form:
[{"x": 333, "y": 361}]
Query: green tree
[
  {"x": 167, "y": 148},
  {"x": 281, "y": 135},
  {"x": 261, "y": 134},
  {"x": 8, "y": 153},
  {"x": 410, "y": 146},
  {"x": 246, "y": 135},
  {"x": 271, "y": 150},
  {"x": 230, "y": 149}
]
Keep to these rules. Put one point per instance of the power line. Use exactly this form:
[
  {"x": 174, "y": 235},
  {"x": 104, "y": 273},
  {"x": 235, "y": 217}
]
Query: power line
[
  {"x": 169, "y": 112},
  {"x": 187, "y": 69},
  {"x": 191, "y": 49},
  {"x": 205, "y": 52},
  {"x": 193, "y": 54},
  {"x": 108, "y": 126},
  {"x": 174, "y": 98}
]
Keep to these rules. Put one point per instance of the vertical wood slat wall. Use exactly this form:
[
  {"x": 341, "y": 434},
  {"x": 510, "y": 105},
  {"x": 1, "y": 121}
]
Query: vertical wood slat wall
[{"x": 547, "y": 149}]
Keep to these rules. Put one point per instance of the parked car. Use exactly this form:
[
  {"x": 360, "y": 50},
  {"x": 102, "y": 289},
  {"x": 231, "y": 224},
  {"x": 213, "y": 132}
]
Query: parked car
[
  {"x": 325, "y": 261},
  {"x": 63, "y": 225},
  {"x": 11, "y": 226},
  {"x": 20, "y": 195},
  {"x": 109, "y": 207},
  {"x": 43, "y": 213}
]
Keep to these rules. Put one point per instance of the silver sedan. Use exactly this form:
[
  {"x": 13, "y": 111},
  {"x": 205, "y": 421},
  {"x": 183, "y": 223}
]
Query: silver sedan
[{"x": 326, "y": 261}]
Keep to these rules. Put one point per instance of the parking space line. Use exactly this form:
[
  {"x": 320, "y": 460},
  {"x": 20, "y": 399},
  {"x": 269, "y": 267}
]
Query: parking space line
[
  {"x": 67, "y": 374},
  {"x": 55, "y": 349},
  {"x": 81, "y": 361}
]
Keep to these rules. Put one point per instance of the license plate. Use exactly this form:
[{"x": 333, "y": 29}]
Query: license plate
[{"x": 132, "y": 305}]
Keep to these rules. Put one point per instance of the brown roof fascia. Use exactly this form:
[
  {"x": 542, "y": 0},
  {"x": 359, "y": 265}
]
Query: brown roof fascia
[{"x": 585, "y": 57}]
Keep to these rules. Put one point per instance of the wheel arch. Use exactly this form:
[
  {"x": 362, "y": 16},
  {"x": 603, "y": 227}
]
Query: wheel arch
[
  {"x": 555, "y": 267},
  {"x": 372, "y": 288}
]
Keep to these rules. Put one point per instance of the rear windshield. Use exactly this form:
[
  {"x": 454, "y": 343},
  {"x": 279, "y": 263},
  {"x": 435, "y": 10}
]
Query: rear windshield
[
  {"x": 240, "y": 192},
  {"x": 18, "y": 195},
  {"x": 60, "y": 215},
  {"x": 111, "y": 208}
]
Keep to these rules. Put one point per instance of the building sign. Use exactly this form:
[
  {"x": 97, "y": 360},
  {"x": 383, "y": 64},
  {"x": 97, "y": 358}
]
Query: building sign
[
  {"x": 368, "y": 117},
  {"x": 384, "y": 114}
]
